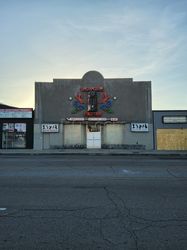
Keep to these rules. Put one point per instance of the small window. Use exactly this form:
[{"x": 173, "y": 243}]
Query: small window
[
  {"x": 174, "y": 119},
  {"x": 94, "y": 128}
]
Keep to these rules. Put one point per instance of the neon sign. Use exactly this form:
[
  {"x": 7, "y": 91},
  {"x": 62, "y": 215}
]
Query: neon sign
[{"x": 94, "y": 101}]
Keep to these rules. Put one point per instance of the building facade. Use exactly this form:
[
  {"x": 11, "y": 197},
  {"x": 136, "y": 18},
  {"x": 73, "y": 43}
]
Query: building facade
[
  {"x": 170, "y": 130},
  {"x": 93, "y": 112},
  {"x": 16, "y": 127}
]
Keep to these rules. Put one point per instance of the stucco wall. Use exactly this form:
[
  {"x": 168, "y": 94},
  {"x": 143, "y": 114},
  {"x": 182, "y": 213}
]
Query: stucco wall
[
  {"x": 47, "y": 140},
  {"x": 132, "y": 104},
  {"x": 142, "y": 138},
  {"x": 121, "y": 134}
]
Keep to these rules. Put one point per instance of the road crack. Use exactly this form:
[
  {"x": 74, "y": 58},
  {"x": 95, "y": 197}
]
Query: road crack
[{"x": 127, "y": 215}]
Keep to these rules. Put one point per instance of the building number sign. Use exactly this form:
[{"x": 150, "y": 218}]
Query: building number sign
[
  {"x": 50, "y": 128},
  {"x": 139, "y": 127}
]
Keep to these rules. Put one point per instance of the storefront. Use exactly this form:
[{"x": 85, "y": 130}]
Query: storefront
[
  {"x": 170, "y": 130},
  {"x": 16, "y": 127},
  {"x": 93, "y": 112}
]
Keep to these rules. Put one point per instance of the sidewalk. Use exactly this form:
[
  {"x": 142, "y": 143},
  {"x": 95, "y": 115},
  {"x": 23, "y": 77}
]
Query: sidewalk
[{"x": 180, "y": 154}]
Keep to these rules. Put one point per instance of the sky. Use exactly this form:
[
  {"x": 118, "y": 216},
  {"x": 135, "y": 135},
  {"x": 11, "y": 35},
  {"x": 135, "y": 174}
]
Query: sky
[{"x": 45, "y": 39}]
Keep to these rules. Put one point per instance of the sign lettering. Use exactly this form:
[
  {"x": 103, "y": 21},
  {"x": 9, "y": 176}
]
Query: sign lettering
[
  {"x": 50, "y": 128},
  {"x": 139, "y": 127}
]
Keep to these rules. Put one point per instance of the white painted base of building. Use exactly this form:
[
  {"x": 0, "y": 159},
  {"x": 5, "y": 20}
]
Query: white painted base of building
[{"x": 78, "y": 135}]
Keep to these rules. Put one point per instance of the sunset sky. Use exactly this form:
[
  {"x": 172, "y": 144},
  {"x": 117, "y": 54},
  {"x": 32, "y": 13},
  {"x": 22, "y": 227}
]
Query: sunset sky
[{"x": 45, "y": 39}]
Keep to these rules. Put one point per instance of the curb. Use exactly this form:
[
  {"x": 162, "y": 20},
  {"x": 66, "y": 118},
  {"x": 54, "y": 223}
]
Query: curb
[{"x": 157, "y": 154}]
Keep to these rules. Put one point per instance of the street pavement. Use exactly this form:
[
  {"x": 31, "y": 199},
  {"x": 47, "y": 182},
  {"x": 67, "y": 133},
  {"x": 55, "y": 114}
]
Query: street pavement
[{"x": 93, "y": 202}]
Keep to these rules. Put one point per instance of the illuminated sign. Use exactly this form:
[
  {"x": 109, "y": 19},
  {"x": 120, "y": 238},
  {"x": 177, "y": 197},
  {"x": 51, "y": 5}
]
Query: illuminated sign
[
  {"x": 139, "y": 127},
  {"x": 92, "y": 114},
  {"x": 94, "y": 101},
  {"x": 50, "y": 128},
  {"x": 80, "y": 119},
  {"x": 89, "y": 89},
  {"x": 75, "y": 119},
  {"x": 97, "y": 119}
]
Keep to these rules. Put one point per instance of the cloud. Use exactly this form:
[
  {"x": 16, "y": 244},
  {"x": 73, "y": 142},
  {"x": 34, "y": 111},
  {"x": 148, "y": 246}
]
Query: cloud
[{"x": 146, "y": 40}]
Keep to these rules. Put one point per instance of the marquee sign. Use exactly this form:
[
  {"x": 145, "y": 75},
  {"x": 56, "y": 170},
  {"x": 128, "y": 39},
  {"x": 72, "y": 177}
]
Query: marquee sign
[{"x": 81, "y": 119}]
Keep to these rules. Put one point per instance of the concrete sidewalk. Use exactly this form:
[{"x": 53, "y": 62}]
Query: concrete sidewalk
[{"x": 181, "y": 154}]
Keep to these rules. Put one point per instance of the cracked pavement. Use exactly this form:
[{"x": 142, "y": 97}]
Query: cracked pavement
[{"x": 93, "y": 202}]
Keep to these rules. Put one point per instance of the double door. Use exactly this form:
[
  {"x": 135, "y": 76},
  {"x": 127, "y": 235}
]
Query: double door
[{"x": 93, "y": 136}]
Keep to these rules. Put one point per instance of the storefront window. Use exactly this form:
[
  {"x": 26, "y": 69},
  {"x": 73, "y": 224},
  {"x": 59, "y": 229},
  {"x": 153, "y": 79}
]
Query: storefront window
[{"x": 14, "y": 135}]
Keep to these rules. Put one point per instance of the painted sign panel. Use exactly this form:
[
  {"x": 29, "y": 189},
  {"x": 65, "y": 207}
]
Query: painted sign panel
[
  {"x": 175, "y": 119},
  {"x": 15, "y": 113},
  {"x": 139, "y": 127},
  {"x": 50, "y": 128}
]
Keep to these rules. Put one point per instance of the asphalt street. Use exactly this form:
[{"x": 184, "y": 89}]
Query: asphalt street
[{"x": 92, "y": 202}]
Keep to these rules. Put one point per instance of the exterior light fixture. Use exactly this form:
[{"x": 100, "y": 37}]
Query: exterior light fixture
[
  {"x": 70, "y": 98},
  {"x": 114, "y": 97}
]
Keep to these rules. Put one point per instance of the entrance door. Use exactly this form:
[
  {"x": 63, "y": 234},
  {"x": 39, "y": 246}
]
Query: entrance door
[
  {"x": 14, "y": 135},
  {"x": 93, "y": 136}
]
